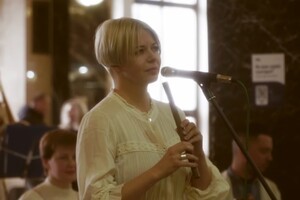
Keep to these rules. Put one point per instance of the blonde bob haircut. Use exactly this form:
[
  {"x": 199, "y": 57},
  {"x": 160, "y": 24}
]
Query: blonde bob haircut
[{"x": 116, "y": 40}]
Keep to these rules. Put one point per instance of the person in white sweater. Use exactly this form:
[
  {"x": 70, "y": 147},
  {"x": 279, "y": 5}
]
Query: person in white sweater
[
  {"x": 57, "y": 150},
  {"x": 127, "y": 146}
]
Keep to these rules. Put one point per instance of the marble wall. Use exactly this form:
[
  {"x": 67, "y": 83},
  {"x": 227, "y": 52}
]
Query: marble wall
[{"x": 237, "y": 30}]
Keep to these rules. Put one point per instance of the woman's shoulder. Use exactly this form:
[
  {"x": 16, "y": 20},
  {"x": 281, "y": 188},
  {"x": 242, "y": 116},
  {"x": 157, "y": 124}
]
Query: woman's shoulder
[{"x": 109, "y": 102}]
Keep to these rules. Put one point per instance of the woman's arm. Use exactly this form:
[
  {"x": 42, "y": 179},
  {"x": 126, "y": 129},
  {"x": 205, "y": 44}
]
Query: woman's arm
[
  {"x": 96, "y": 165},
  {"x": 170, "y": 162},
  {"x": 205, "y": 174}
]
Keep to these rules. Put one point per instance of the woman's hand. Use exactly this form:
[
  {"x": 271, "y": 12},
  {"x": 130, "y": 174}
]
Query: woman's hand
[
  {"x": 192, "y": 135},
  {"x": 178, "y": 155}
]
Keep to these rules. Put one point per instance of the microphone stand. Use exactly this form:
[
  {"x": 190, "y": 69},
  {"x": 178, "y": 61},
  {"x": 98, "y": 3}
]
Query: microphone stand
[{"x": 212, "y": 99}]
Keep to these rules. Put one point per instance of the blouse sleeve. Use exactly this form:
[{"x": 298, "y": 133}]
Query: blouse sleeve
[
  {"x": 95, "y": 152},
  {"x": 218, "y": 188}
]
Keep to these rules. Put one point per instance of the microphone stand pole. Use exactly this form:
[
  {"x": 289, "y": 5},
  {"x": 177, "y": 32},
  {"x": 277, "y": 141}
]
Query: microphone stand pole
[{"x": 212, "y": 99}]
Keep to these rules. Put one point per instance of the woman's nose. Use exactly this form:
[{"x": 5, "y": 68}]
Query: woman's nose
[{"x": 152, "y": 55}]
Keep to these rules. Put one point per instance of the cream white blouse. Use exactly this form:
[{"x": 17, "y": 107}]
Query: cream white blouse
[{"x": 117, "y": 142}]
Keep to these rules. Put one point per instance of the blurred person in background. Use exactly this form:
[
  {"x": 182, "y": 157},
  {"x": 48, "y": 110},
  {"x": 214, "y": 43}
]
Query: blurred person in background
[
  {"x": 20, "y": 163},
  {"x": 36, "y": 110},
  {"x": 240, "y": 175},
  {"x": 57, "y": 151},
  {"x": 72, "y": 112}
]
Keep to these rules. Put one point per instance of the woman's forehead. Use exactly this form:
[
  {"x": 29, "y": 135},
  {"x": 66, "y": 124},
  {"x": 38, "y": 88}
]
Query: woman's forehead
[{"x": 146, "y": 35}]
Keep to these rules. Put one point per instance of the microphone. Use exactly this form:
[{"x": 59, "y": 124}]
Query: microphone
[{"x": 199, "y": 77}]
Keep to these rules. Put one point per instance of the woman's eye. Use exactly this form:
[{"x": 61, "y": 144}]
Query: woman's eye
[
  {"x": 142, "y": 50},
  {"x": 156, "y": 48},
  {"x": 139, "y": 51}
]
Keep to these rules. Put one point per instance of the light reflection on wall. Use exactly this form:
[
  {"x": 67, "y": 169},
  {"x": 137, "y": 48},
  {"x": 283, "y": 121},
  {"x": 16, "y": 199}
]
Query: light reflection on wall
[
  {"x": 89, "y": 2},
  {"x": 31, "y": 75}
]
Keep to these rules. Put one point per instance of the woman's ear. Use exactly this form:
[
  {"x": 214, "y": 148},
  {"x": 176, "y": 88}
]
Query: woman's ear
[{"x": 115, "y": 68}]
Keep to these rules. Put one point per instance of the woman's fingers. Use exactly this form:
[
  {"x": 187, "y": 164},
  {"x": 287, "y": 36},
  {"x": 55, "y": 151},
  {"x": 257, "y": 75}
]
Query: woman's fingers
[
  {"x": 192, "y": 135},
  {"x": 188, "y": 160},
  {"x": 183, "y": 151},
  {"x": 179, "y": 155},
  {"x": 191, "y": 132}
]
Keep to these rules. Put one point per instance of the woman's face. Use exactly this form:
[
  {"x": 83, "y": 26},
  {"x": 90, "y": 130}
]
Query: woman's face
[
  {"x": 143, "y": 68},
  {"x": 61, "y": 166}
]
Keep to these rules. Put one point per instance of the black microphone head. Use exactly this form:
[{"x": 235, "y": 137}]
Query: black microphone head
[{"x": 167, "y": 71}]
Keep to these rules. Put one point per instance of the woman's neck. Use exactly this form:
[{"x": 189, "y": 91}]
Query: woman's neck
[{"x": 137, "y": 98}]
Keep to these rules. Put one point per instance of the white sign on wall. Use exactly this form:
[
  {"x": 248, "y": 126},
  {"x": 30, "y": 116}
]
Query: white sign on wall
[{"x": 267, "y": 69}]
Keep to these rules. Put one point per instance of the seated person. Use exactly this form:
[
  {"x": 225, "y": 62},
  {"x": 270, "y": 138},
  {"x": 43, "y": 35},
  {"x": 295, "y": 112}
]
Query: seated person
[
  {"x": 72, "y": 112},
  {"x": 36, "y": 110},
  {"x": 57, "y": 150},
  {"x": 241, "y": 176},
  {"x": 20, "y": 139},
  {"x": 21, "y": 166}
]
